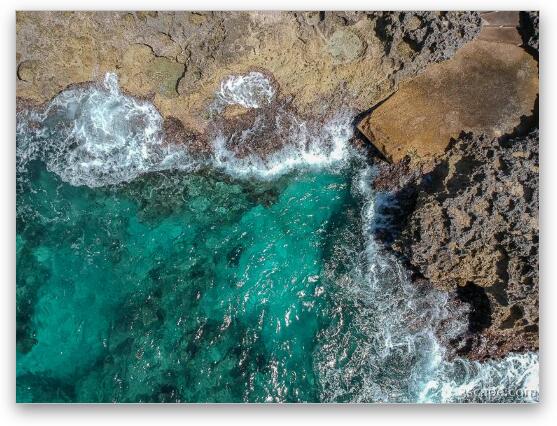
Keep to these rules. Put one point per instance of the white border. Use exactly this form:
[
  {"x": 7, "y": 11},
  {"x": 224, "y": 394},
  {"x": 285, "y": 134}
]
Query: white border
[{"x": 244, "y": 415}]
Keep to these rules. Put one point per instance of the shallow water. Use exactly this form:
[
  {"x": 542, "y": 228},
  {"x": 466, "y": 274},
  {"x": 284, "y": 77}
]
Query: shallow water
[{"x": 224, "y": 281}]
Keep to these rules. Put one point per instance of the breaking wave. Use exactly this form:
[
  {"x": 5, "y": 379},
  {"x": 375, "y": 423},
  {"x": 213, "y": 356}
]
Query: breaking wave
[
  {"x": 98, "y": 136},
  {"x": 389, "y": 350},
  {"x": 514, "y": 378},
  {"x": 306, "y": 146}
]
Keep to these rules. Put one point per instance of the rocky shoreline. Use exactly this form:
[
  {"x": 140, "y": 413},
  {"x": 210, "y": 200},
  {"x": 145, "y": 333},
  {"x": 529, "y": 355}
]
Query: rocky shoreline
[
  {"x": 462, "y": 165},
  {"x": 320, "y": 61},
  {"x": 469, "y": 225},
  {"x": 467, "y": 221}
]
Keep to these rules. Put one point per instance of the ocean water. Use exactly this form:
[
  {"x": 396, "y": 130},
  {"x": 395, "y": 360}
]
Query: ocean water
[{"x": 147, "y": 275}]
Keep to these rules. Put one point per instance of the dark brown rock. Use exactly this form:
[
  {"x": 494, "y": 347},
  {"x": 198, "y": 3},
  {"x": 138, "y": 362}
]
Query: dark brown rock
[
  {"x": 474, "y": 227},
  {"x": 259, "y": 132},
  {"x": 176, "y": 134}
]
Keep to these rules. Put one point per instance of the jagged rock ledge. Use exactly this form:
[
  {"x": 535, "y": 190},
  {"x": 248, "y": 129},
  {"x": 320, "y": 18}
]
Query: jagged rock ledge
[
  {"x": 470, "y": 226},
  {"x": 320, "y": 61},
  {"x": 465, "y": 211}
]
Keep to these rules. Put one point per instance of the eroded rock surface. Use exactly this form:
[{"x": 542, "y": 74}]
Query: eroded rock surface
[
  {"x": 465, "y": 215},
  {"x": 474, "y": 227},
  {"x": 425, "y": 37},
  {"x": 321, "y": 61},
  {"x": 487, "y": 88}
]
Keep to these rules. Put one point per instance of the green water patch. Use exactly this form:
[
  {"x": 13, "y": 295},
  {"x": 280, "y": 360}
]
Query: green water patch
[{"x": 175, "y": 287}]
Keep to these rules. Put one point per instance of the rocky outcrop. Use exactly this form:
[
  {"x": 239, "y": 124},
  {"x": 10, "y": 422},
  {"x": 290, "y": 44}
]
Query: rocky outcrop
[
  {"x": 464, "y": 216},
  {"x": 413, "y": 40},
  {"x": 486, "y": 88},
  {"x": 143, "y": 73},
  {"x": 470, "y": 225},
  {"x": 321, "y": 61}
]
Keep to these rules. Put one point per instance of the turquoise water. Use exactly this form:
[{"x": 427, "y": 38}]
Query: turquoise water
[
  {"x": 175, "y": 287},
  {"x": 145, "y": 275}
]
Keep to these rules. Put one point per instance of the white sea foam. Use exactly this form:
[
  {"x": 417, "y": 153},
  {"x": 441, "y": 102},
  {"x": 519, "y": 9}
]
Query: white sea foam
[
  {"x": 305, "y": 146},
  {"x": 304, "y": 143},
  {"x": 252, "y": 90},
  {"x": 389, "y": 350},
  {"x": 514, "y": 378},
  {"x": 97, "y": 136}
]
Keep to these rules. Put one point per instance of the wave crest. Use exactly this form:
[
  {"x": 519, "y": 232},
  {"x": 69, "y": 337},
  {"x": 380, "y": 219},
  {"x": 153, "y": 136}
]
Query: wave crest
[
  {"x": 95, "y": 136},
  {"x": 98, "y": 136}
]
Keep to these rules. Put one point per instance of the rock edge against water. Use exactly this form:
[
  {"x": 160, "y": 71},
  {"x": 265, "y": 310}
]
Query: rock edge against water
[
  {"x": 320, "y": 61},
  {"x": 467, "y": 203},
  {"x": 471, "y": 225},
  {"x": 466, "y": 216}
]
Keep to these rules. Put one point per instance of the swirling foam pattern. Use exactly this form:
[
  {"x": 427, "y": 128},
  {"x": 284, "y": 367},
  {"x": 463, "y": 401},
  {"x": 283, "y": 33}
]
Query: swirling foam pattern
[
  {"x": 97, "y": 136},
  {"x": 252, "y": 90}
]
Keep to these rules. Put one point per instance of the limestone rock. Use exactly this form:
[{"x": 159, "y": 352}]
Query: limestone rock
[
  {"x": 345, "y": 46},
  {"x": 144, "y": 73},
  {"x": 163, "y": 45},
  {"x": 486, "y": 88},
  {"x": 412, "y": 40},
  {"x": 185, "y": 55},
  {"x": 27, "y": 70},
  {"x": 501, "y": 35},
  {"x": 232, "y": 111},
  {"x": 507, "y": 18},
  {"x": 312, "y": 18}
]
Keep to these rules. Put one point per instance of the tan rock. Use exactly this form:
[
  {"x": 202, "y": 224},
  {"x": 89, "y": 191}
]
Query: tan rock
[
  {"x": 404, "y": 49},
  {"x": 145, "y": 74},
  {"x": 163, "y": 45},
  {"x": 501, "y": 35},
  {"x": 317, "y": 71},
  {"x": 506, "y": 18},
  {"x": 312, "y": 18},
  {"x": 83, "y": 46},
  {"x": 27, "y": 70},
  {"x": 486, "y": 88},
  {"x": 197, "y": 18},
  {"x": 414, "y": 23},
  {"x": 143, "y": 15},
  {"x": 345, "y": 46},
  {"x": 233, "y": 111}
]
